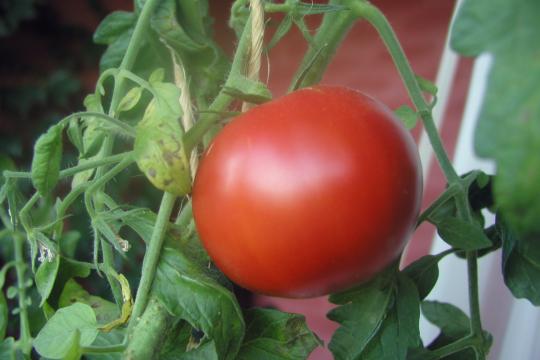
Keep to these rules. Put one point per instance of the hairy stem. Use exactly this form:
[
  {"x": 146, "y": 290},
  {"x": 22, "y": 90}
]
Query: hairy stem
[
  {"x": 101, "y": 181},
  {"x": 330, "y": 34},
  {"x": 127, "y": 63},
  {"x": 20, "y": 267},
  {"x": 89, "y": 195},
  {"x": 151, "y": 257},
  {"x": 148, "y": 332},
  {"x": 90, "y": 164},
  {"x": 208, "y": 119},
  {"x": 122, "y": 126}
]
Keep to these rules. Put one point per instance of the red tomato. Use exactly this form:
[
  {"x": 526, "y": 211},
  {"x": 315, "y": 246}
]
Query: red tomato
[{"x": 308, "y": 194}]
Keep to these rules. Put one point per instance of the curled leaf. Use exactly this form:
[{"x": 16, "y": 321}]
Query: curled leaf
[
  {"x": 46, "y": 161},
  {"x": 159, "y": 150}
]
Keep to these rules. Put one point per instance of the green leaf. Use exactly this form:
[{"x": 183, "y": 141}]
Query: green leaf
[
  {"x": 75, "y": 351},
  {"x": 143, "y": 222},
  {"x": 454, "y": 325},
  {"x": 462, "y": 234},
  {"x": 12, "y": 292},
  {"x": 157, "y": 76},
  {"x": 3, "y": 314},
  {"x": 450, "y": 319},
  {"x": 14, "y": 199},
  {"x": 185, "y": 342},
  {"x": 186, "y": 27},
  {"x": 69, "y": 327},
  {"x": 66, "y": 271},
  {"x": 426, "y": 85},
  {"x": 399, "y": 331},
  {"x": 92, "y": 139},
  {"x": 408, "y": 116},
  {"x": 68, "y": 243},
  {"x": 167, "y": 101},
  {"x": 244, "y": 89},
  {"x": 75, "y": 134},
  {"x": 46, "y": 277},
  {"x": 110, "y": 233},
  {"x": 424, "y": 272},
  {"x": 93, "y": 134},
  {"x": 516, "y": 185},
  {"x": 182, "y": 237},
  {"x": 275, "y": 335},
  {"x": 114, "y": 337},
  {"x": 105, "y": 311},
  {"x": 48, "y": 311},
  {"x": 113, "y": 26},
  {"x": 521, "y": 274},
  {"x": 189, "y": 291},
  {"x": 8, "y": 350},
  {"x": 46, "y": 161},
  {"x": 508, "y": 127},
  {"x": 408, "y": 312},
  {"x": 282, "y": 30},
  {"x": 206, "y": 351},
  {"x": 165, "y": 23},
  {"x": 360, "y": 315},
  {"x": 131, "y": 99},
  {"x": 112, "y": 57}
]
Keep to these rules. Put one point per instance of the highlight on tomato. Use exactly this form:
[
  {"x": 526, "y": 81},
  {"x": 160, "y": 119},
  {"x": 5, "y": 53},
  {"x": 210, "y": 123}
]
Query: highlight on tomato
[{"x": 308, "y": 194}]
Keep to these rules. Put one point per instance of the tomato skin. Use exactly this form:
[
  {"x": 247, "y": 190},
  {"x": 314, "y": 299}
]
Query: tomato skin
[{"x": 308, "y": 194}]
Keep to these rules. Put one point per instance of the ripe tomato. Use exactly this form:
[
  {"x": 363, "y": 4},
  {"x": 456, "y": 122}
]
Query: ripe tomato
[{"x": 308, "y": 194}]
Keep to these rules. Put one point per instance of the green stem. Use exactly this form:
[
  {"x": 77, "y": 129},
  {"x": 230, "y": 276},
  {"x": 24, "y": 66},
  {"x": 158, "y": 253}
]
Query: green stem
[
  {"x": 149, "y": 332},
  {"x": 20, "y": 266},
  {"x": 329, "y": 36},
  {"x": 474, "y": 303},
  {"x": 377, "y": 19},
  {"x": 108, "y": 257},
  {"x": 151, "y": 257},
  {"x": 137, "y": 80},
  {"x": 136, "y": 41},
  {"x": 442, "y": 254},
  {"x": 452, "y": 348},
  {"x": 23, "y": 214},
  {"x": 464, "y": 212},
  {"x": 91, "y": 164},
  {"x": 127, "y": 63},
  {"x": 274, "y": 8},
  {"x": 208, "y": 119},
  {"x": 101, "y": 181},
  {"x": 122, "y": 126},
  {"x": 4, "y": 218},
  {"x": 103, "y": 349},
  {"x": 449, "y": 195},
  {"x": 65, "y": 204}
]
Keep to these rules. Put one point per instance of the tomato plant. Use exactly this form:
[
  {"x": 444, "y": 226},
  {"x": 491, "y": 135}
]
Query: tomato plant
[
  {"x": 290, "y": 201},
  {"x": 311, "y": 193}
]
